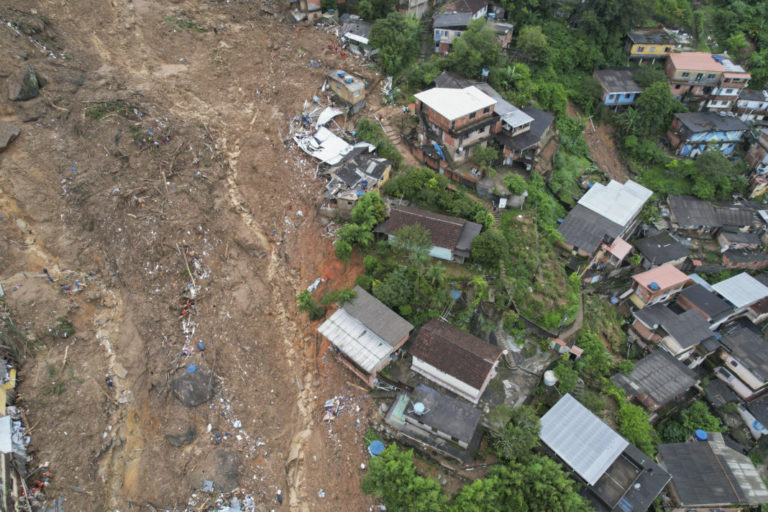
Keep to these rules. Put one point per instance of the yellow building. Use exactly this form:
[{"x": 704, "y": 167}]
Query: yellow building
[{"x": 650, "y": 44}]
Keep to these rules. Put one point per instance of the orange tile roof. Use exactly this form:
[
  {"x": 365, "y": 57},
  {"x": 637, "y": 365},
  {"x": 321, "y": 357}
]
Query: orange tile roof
[
  {"x": 620, "y": 248},
  {"x": 666, "y": 276},
  {"x": 698, "y": 61}
]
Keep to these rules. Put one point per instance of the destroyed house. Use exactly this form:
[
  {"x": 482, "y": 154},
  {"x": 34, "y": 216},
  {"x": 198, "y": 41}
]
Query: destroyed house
[
  {"x": 360, "y": 171},
  {"x": 365, "y": 333},
  {"x": 657, "y": 380},
  {"x": 456, "y": 360},
  {"x": 437, "y": 422},
  {"x": 707, "y": 474},
  {"x": 685, "y": 335},
  {"x": 451, "y": 236},
  {"x": 618, "y": 476},
  {"x": 602, "y": 214}
]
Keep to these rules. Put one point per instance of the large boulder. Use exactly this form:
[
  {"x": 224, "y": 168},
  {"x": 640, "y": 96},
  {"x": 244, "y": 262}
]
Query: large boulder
[
  {"x": 8, "y": 132},
  {"x": 193, "y": 389},
  {"x": 23, "y": 86}
]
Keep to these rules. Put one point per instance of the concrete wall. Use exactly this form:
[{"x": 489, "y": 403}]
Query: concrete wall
[{"x": 449, "y": 382}]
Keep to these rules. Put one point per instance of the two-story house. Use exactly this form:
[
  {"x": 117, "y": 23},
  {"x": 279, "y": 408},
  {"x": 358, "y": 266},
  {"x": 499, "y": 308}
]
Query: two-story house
[
  {"x": 744, "y": 355},
  {"x": 685, "y": 335},
  {"x": 657, "y": 285},
  {"x": 694, "y": 73},
  {"x": 459, "y": 119},
  {"x": 726, "y": 94},
  {"x": 752, "y": 105},
  {"x": 650, "y": 44},
  {"x": 619, "y": 88},
  {"x": 348, "y": 89},
  {"x": 692, "y": 133},
  {"x": 448, "y": 26}
]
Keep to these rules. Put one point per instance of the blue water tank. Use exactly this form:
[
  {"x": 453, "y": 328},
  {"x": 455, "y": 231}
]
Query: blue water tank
[
  {"x": 376, "y": 447},
  {"x": 191, "y": 368},
  {"x": 654, "y": 286},
  {"x": 340, "y": 74},
  {"x": 700, "y": 435}
]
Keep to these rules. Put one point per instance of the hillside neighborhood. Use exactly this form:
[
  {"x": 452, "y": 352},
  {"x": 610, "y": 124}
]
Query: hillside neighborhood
[{"x": 513, "y": 256}]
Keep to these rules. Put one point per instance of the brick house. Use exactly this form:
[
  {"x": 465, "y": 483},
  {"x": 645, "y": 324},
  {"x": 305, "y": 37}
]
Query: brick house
[{"x": 657, "y": 285}]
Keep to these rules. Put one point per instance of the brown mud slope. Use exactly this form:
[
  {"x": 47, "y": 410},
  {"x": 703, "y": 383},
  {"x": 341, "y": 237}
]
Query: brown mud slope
[
  {"x": 602, "y": 147},
  {"x": 151, "y": 170}
]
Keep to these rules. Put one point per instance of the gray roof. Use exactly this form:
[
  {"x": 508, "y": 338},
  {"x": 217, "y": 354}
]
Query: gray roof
[
  {"x": 617, "y": 80},
  {"x": 658, "y": 375},
  {"x": 735, "y": 215},
  {"x": 711, "y": 473},
  {"x": 759, "y": 407},
  {"x": 710, "y": 122},
  {"x": 688, "y": 328},
  {"x": 651, "y": 36},
  {"x": 581, "y": 439},
  {"x": 741, "y": 290},
  {"x": 745, "y": 256},
  {"x": 752, "y": 95},
  {"x": 740, "y": 237},
  {"x": 447, "y": 414},
  {"x": 661, "y": 248},
  {"x": 707, "y": 301},
  {"x": 690, "y": 212},
  {"x": 745, "y": 343},
  {"x": 358, "y": 27},
  {"x": 719, "y": 394},
  {"x": 377, "y": 317},
  {"x": 452, "y": 20},
  {"x": 541, "y": 122},
  {"x": 585, "y": 229}
]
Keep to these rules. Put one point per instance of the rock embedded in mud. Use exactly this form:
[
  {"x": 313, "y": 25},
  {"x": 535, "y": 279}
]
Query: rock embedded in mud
[
  {"x": 23, "y": 86},
  {"x": 8, "y": 132},
  {"x": 193, "y": 389}
]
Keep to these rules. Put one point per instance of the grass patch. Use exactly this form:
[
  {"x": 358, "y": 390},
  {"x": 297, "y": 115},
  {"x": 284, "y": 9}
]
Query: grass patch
[
  {"x": 182, "y": 24},
  {"x": 101, "y": 110}
]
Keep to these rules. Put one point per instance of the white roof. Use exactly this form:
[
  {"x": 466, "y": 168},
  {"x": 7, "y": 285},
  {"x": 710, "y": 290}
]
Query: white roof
[
  {"x": 326, "y": 146},
  {"x": 355, "y": 37},
  {"x": 581, "y": 439},
  {"x": 616, "y": 202},
  {"x": 355, "y": 340},
  {"x": 455, "y": 103},
  {"x": 741, "y": 290}
]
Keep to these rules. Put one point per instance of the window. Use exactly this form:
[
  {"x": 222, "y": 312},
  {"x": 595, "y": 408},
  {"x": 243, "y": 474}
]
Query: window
[
  {"x": 667, "y": 49},
  {"x": 641, "y": 48},
  {"x": 711, "y": 75},
  {"x": 652, "y": 49},
  {"x": 472, "y": 115},
  {"x": 453, "y": 124},
  {"x": 686, "y": 74},
  {"x": 611, "y": 97},
  {"x": 677, "y": 86},
  {"x": 486, "y": 110},
  {"x": 728, "y": 91}
]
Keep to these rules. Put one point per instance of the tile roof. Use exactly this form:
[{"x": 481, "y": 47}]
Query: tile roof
[
  {"x": 690, "y": 212},
  {"x": 661, "y": 248},
  {"x": 581, "y": 439},
  {"x": 448, "y": 232},
  {"x": 617, "y": 80},
  {"x": 455, "y": 103},
  {"x": 620, "y": 248},
  {"x": 710, "y": 122},
  {"x": 665, "y": 276},
  {"x": 658, "y": 375},
  {"x": 711, "y": 473},
  {"x": 741, "y": 290},
  {"x": 740, "y": 237},
  {"x": 706, "y": 300},
  {"x": 742, "y": 256},
  {"x": 455, "y": 352},
  {"x": 735, "y": 215},
  {"x": 586, "y": 229},
  {"x": 470, "y": 6},
  {"x": 696, "y": 61}
]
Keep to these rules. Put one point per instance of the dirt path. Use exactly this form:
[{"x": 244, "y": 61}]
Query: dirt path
[
  {"x": 153, "y": 170},
  {"x": 602, "y": 147}
]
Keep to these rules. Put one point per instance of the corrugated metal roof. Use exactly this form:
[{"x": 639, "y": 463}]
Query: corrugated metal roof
[
  {"x": 355, "y": 340},
  {"x": 581, "y": 439},
  {"x": 6, "y": 446},
  {"x": 616, "y": 202},
  {"x": 741, "y": 290},
  {"x": 375, "y": 315}
]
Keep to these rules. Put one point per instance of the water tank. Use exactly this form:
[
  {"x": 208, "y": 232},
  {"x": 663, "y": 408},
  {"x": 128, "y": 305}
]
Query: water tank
[
  {"x": 376, "y": 447},
  {"x": 491, "y": 15},
  {"x": 654, "y": 286},
  {"x": 549, "y": 378},
  {"x": 418, "y": 408},
  {"x": 340, "y": 74},
  {"x": 700, "y": 435},
  {"x": 349, "y": 80}
]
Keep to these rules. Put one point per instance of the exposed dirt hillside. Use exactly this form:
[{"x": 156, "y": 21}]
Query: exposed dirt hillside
[{"x": 153, "y": 180}]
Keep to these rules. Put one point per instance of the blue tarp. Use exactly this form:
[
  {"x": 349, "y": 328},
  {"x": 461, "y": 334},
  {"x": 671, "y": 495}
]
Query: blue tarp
[
  {"x": 375, "y": 448},
  {"x": 439, "y": 151}
]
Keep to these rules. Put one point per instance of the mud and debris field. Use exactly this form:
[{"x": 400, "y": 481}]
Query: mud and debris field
[{"x": 154, "y": 179}]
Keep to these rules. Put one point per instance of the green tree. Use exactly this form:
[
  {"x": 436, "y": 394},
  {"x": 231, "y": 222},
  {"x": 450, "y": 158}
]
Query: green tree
[
  {"x": 309, "y": 305},
  {"x": 697, "y": 416},
  {"x": 567, "y": 377},
  {"x": 655, "y": 107},
  {"x": 489, "y": 248},
  {"x": 395, "y": 290},
  {"x": 596, "y": 361},
  {"x": 369, "y": 210},
  {"x": 533, "y": 45},
  {"x": 413, "y": 241},
  {"x": 392, "y": 477},
  {"x": 520, "y": 436},
  {"x": 343, "y": 250},
  {"x": 485, "y": 157},
  {"x": 633, "y": 423},
  {"x": 356, "y": 234},
  {"x": 714, "y": 176},
  {"x": 398, "y": 40},
  {"x": 649, "y": 75},
  {"x": 515, "y": 184},
  {"x": 474, "y": 50}
]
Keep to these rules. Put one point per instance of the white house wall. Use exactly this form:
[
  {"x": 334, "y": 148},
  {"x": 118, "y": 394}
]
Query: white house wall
[{"x": 449, "y": 382}]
